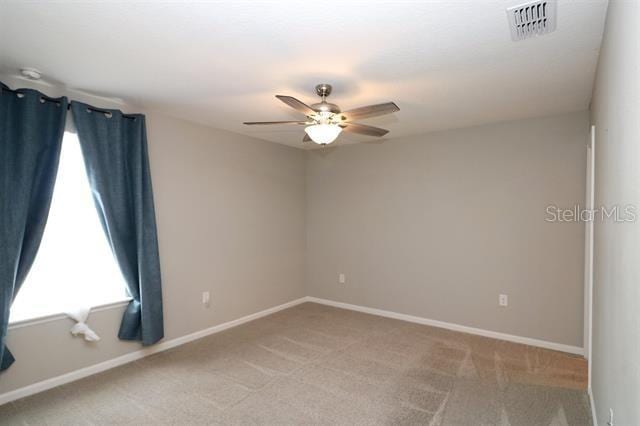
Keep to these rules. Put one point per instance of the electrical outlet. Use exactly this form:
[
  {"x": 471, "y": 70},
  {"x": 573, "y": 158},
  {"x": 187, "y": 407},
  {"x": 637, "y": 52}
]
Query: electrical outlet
[
  {"x": 503, "y": 300},
  {"x": 342, "y": 278},
  {"x": 206, "y": 298}
]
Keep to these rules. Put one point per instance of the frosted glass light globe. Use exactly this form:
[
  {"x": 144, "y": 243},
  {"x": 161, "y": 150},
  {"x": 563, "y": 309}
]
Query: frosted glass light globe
[{"x": 323, "y": 134}]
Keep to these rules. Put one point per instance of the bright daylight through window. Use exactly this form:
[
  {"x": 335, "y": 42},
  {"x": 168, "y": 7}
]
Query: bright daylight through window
[{"x": 74, "y": 266}]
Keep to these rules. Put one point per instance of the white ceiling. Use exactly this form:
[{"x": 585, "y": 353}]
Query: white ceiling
[{"x": 446, "y": 64}]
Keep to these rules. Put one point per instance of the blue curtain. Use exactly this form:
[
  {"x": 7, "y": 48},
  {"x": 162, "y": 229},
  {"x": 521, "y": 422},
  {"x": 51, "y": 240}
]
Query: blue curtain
[
  {"x": 114, "y": 146},
  {"x": 31, "y": 130}
]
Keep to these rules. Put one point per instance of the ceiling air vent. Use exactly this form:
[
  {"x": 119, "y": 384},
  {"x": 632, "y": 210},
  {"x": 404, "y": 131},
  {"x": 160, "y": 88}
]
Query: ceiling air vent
[{"x": 532, "y": 19}]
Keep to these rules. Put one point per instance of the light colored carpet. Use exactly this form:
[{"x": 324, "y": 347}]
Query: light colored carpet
[{"x": 314, "y": 364}]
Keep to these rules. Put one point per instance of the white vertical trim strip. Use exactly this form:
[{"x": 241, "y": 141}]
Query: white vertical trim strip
[
  {"x": 592, "y": 402},
  {"x": 591, "y": 200}
]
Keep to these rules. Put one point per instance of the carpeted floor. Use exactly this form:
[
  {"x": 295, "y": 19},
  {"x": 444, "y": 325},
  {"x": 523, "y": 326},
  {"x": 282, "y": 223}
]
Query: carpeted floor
[{"x": 314, "y": 364}]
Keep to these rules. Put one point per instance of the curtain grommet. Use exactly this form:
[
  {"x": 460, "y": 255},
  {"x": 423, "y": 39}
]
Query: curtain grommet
[
  {"x": 20, "y": 95},
  {"x": 108, "y": 114}
]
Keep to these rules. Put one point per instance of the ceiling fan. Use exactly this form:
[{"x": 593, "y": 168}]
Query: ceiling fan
[{"x": 325, "y": 121}]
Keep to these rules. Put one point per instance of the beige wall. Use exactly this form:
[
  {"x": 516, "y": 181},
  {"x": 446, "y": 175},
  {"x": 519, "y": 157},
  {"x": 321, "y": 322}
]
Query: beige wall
[
  {"x": 616, "y": 314},
  {"x": 438, "y": 225},
  {"x": 434, "y": 226},
  {"x": 230, "y": 213}
]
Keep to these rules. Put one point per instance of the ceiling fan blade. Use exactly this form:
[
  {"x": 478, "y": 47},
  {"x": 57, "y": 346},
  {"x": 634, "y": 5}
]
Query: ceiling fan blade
[
  {"x": 251, "y": 123},
  {"x": 370, "y": 111},
  {"x": 306, "y": 138},
  {"x": 297, "y": 105},
  {"x": 363, "y": 129}
]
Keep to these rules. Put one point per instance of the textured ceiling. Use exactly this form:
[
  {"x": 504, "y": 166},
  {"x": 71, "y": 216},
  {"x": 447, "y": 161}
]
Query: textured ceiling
[{"x": 447, "y": 64}]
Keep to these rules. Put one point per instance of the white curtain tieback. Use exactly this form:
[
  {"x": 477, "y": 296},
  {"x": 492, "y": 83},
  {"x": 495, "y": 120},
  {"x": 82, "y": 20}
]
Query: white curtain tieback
[{"x": 80, "y": 315}]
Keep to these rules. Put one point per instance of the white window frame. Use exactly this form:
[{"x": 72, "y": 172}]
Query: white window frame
[{"x": 57, "y": 316}]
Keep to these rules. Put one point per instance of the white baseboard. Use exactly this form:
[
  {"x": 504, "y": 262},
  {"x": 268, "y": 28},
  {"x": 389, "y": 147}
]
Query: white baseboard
[
  {"x": 133, "y": 356},
  {"x": 451, "y": 326},
  {"x": 593, "y": 406}
]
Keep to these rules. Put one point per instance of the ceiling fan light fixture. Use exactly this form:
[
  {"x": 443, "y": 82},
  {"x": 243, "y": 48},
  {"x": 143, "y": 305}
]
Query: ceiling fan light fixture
[{"x": 323, "y": 134}]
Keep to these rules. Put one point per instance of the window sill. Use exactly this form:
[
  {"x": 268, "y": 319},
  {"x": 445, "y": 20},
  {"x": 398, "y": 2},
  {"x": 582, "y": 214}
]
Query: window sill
[{"x": 59, "y": 316}]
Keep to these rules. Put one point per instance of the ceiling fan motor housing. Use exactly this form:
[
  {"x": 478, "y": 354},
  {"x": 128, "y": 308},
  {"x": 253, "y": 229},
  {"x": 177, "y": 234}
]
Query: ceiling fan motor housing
[
  {"x": 326, "y": 107},
  {"x": 323, "y": 90}
]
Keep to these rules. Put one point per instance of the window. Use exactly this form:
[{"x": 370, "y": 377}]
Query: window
[{"x": 74, "y": 266}]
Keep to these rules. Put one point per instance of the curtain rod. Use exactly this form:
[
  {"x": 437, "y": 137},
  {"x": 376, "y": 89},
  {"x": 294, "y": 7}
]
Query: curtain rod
[{"x": 45, "y": 98}]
